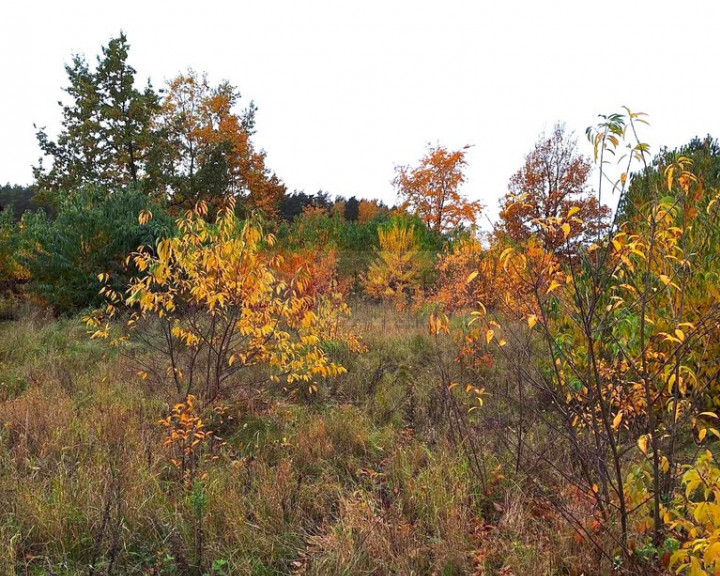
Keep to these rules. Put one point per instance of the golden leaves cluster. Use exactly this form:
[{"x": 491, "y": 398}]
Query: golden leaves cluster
[{"x": 252, "y": 312}]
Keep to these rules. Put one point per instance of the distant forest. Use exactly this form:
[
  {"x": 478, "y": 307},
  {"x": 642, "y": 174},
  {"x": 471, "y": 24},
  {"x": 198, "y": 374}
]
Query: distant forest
[{"x": 18, "y": 199}]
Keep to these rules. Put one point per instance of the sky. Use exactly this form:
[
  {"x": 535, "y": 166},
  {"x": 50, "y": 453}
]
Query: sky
[{"x": 348, "y": 90}]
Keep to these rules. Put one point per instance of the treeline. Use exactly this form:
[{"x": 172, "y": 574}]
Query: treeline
[{"x": 17, "y": 199}]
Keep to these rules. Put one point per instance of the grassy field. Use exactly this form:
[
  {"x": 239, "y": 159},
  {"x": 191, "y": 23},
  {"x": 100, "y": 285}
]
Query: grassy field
[{"x": 369, "y": 475}]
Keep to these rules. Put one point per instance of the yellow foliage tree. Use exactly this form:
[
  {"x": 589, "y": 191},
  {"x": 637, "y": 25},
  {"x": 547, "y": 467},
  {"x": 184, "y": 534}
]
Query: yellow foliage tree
[
  {"x": 395, "y": 273},
  {"x": 629, "y": 329},
  {"x": 215, "y": 292}
]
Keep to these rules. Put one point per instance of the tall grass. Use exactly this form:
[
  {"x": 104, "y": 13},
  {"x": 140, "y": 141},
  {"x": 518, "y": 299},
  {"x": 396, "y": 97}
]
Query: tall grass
[{"x": 360, "y": 478}]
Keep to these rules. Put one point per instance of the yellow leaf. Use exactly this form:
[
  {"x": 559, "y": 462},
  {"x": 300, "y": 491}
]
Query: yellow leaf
[
  {"x": 702, "y": 434},
  {"x": 573, "y": 210},
  {"x": 145, "y": 216},
  {"x": 712, "y": 554},
  {"x": 566, "y": 229},
  {"x": 553, "y": 286},
  {"x": 532, "y": 320},
  {"x": 489, "y": 335},
  {"x": 664, "y": 464},
  {"x": 471, "y": 277},
  {"x": 642, "y": 444},
  {"x": 695, "y": 568},
  {"x": 617, "y": 420},
  {"x": 680, "y": 334},
  {"x": 669, "y": 174}
]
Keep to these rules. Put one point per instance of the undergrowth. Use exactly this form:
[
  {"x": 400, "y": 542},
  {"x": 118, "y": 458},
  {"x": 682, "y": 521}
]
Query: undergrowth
[{"x": 362, "y": 477}]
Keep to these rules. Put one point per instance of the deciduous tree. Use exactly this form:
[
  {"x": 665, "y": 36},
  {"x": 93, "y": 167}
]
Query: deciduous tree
[
  {"x": 627, "y": 367},
  {"x": 396, "y": 272},
  {"x": 432, "y": 189},
  {"x": 216, "y": 292},
  {"x": 552, "y": 182},
  {"x": 92, "y": 234},
  {"x": 209, "y": 153}
]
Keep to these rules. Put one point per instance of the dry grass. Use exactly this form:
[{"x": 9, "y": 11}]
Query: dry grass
[{"x": 361, "y": 478}]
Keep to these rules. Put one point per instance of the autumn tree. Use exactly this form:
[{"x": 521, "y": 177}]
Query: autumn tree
[
  {"x": 107, "y": 129},
  {"x": 395, "y": 274},
  {"x": 367, "y": 210},
  {"x": 209, "y": 152},
  {"x": 338, "y": 209},
  {"x": 464, "y": 258},
  {"x": 626, "y": 376},
  {"x": 192, "y": 145},
  {"x": 215, "y": 293},
  {"x": 10, "y": 269},
  {"x": 432, "y": 189},
  {"x": 552, "y": 182}
]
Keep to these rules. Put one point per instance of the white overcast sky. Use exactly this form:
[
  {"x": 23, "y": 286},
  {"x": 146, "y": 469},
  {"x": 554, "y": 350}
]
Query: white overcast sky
[{"x": 347, "y": 90}]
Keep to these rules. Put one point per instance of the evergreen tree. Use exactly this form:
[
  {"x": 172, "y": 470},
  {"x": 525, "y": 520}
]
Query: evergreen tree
[{"x": 107, "y": 129}]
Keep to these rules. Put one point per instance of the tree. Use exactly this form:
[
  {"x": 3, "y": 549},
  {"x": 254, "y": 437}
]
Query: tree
[
  {"x": 396, "y": 272},
  {"x": 192, "y": 146},
  {"x": 10, "y": 269},
  {"x": 107, "y": 132},
  {"x": 209, "y": 153},
  {"x": 627, "y": 370},
  {"x": 431, "y": 190},
  {"x": 704, "y": 153},
  {"x": 552, "y": 182},
  {"x": 17, "y": 199},
  {"x": 351, "y": 209},
  {"x": 216, "y": 294},
  {"x": 367, "y": 211},
  {"x": 461, "y": 259},
  {"x": 92, "y": 233},
  {"x": 338, "y": 208}
]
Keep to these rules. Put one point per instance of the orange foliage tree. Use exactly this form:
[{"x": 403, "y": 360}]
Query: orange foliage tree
[
  {"x": 432, "y": 189},
  {"x": 465, "y": 259},
  {"x": 367, "y": 210},
  {"x": 552, "y": 182},
  {"x": 209, "y": 153}
]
